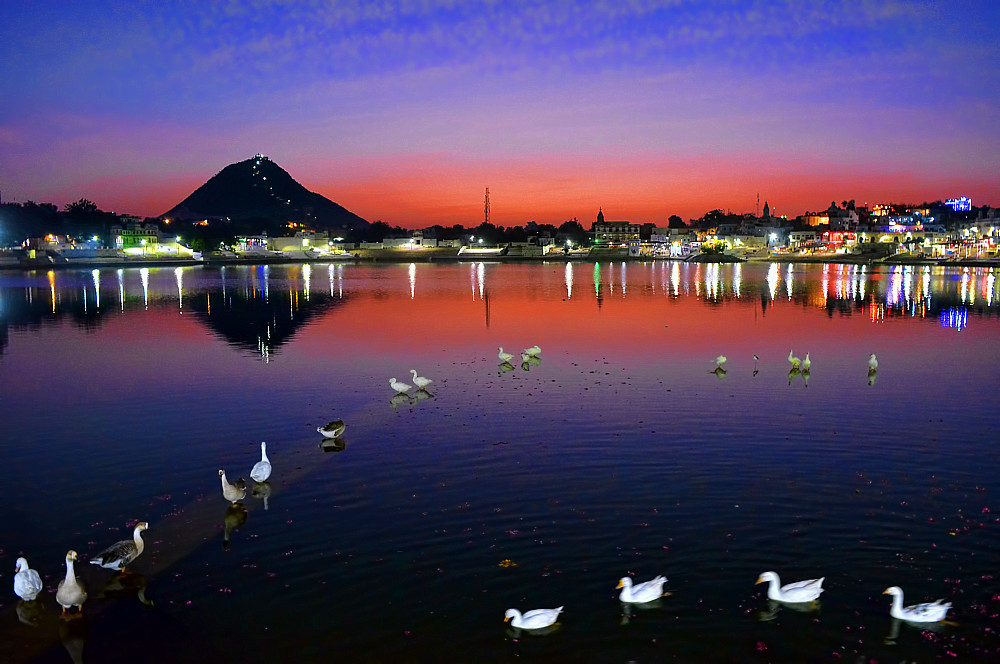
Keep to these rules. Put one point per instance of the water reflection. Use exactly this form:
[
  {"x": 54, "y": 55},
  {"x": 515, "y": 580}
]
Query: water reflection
[
  {"x": 262, "y": 491},
  {"x": 73, "y": 635},
  {"x": 237, "y": 302},
  {"x": 333, "y": 445},
  {"x": 232, "y": 520},
  {"x": 30, "y": 613},
  {"x": 399, "y": 400},
  {"x": 125, "y": 585}
]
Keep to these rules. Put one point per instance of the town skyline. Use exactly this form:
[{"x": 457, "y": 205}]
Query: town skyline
[{"x": 405, "y": 113}]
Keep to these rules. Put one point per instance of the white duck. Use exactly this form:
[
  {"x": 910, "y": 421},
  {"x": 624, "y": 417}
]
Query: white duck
[
  {"x": 70, "y": 592},
  {"x": 719, "y": 361},
  {"x": 504, "y": 357},
  {"x": 120, "y": 554},
  {"x": 420, "y": 381},
  {"x": 27, "y": 582},
  {"x": 924, "y": 613},
  {"x": 800, "y": 591},
  {"x": 262, "y": 469},
  {"x": 400, "y": 387},
  {"x": 534, "y": 351},
  {"x": 794, "y": 360},
  {"x": 806, "y": 363},
  {"x": 641, "y": 592},
  {"x": 233, "y": 491},
  {"x": 535, "y": 619},
  {"x": 332, "y": 429},
  {"x": 872, "y": 362}
]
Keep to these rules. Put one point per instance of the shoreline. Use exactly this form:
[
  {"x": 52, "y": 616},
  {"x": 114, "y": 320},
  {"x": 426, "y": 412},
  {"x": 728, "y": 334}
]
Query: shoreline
[{"x": 450, "y": 255}]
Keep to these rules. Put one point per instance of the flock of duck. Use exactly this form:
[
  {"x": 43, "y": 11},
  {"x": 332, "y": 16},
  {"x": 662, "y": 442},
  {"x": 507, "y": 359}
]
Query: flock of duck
[
  {"x": 798, "y": 593},
  {"x": 529, "y": 357},
  {"x": 71, "y": 593},
  {"x": 799, "y": 367}
]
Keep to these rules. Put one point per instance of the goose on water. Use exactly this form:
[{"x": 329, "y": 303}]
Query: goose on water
[
  {"x": 120, "y": 554},
  {"x": 262, "y": 469},
  {"x": 719, "y": 361},
  {"x": 806, "y": 363},
  {"x": 233, "y": 491},
  {"x": 332, "y": 429},
  {"x": 924, "y": 613},
  {"x": 400, "y": 387},
  {"x": 795, "y": 362},
  {"x": 27, "y": 582},
  {"x": 420, "y": 381},
  {"x": 872, "y": 362},
  {"x": 643, "y": 592},
  {"x": 534, "y": 619},
  {"x": 504, "y": 357},
  {"x": 800, "y": 591},
  {"x": 534, "y": 351},
  {"x": 70, "y": 592}
]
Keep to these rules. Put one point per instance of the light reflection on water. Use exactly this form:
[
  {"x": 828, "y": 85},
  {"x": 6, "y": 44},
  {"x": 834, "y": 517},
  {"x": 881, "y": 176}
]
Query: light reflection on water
[{"x": 615, "y": 453}]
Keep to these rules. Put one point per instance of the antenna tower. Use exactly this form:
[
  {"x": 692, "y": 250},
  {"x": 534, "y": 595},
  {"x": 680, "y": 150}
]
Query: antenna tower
[
  {"x": 757, "y": 212},
  {"x": 486, "y": 206}
]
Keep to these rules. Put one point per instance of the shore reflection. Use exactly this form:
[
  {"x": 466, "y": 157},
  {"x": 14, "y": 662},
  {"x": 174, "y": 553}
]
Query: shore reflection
[{"x": 280, "y": 299}]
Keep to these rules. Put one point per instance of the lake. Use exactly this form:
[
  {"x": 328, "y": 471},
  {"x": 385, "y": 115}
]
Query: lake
[{"x": 620, "y": 451}]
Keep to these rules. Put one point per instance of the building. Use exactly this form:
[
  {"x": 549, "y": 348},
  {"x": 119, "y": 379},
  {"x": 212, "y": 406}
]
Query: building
[
  {"x": 134, "y": 235},
  {"x": 614, "y": 232},
  {"x": 841, "y": 219}
]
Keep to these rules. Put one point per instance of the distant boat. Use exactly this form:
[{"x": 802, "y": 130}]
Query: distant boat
[{"x": 482, "y": 251}]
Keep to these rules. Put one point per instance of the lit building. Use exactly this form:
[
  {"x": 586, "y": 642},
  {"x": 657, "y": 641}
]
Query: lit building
[
  {"x": 614, "y": 232},
  {"x": 961, "y": 204},
  {"x": 135, "y": 235}
]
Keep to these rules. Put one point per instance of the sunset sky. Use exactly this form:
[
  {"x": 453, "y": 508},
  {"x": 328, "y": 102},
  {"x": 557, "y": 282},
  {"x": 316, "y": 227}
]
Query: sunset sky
[{"x": 406, "y": 111}]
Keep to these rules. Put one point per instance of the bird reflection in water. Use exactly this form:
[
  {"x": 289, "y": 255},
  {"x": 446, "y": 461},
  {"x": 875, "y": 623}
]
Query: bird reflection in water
[
  {"x": 517, "y": 632},
  {"x": 73, "y": 635},
  {"x": 398, "y": 400},
  {"x": 236, "y": 516},
  {"x": 719, "y": 372},
  {"x": 29, "y": 613},
  {"x": 630, "y": 609},
  {"x": 793, "y": 374},
  {"x": 872, "y": 375},
  {"x": 893, "y": 635},
  {"x": 528, "y": 361},
  {"x": 422, "y": 395},
  {"x": 124, "y": 586},
  {"x": 504, "y": 367},
  {"x": 333, "y": 445},
  {"x": 262, "y": 491},
  {"x": 774, "y": 607}
]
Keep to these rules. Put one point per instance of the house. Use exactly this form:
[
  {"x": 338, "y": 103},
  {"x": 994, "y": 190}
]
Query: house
[
  {"x": 614, "y": 232},
  {"x": 135, "y": 235}
]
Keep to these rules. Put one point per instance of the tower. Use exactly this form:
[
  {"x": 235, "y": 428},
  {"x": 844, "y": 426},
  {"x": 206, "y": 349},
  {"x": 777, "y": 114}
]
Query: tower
[
  {"x": 600, "y": 215},
  {"x": 486, "y": 207},
  {"x": 767, "y": 210}
]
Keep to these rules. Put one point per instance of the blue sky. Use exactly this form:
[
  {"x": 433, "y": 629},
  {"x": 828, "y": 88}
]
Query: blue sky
[{"x": 404, "y": 111}]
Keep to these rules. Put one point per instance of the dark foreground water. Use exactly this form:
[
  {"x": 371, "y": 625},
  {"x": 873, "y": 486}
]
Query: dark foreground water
[{"x": 122, "y": 392}]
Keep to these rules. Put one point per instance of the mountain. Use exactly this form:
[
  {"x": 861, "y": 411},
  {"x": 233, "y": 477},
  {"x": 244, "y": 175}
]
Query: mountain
[{"x": 260, "y": 189}]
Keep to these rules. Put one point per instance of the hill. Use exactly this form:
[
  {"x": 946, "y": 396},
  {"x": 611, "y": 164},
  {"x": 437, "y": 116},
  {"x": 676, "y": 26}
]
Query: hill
[{"x": 260, "y": 189}]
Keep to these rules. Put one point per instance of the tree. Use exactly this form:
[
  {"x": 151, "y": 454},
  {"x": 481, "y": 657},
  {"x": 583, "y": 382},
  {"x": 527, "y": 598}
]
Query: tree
[
  {"x": 675, "y": 222},
  {"x": 82, "y": 208}
]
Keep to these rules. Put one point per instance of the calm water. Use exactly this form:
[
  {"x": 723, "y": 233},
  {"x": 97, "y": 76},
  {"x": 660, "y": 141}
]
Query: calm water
[{"x": 124, "y": 391}]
